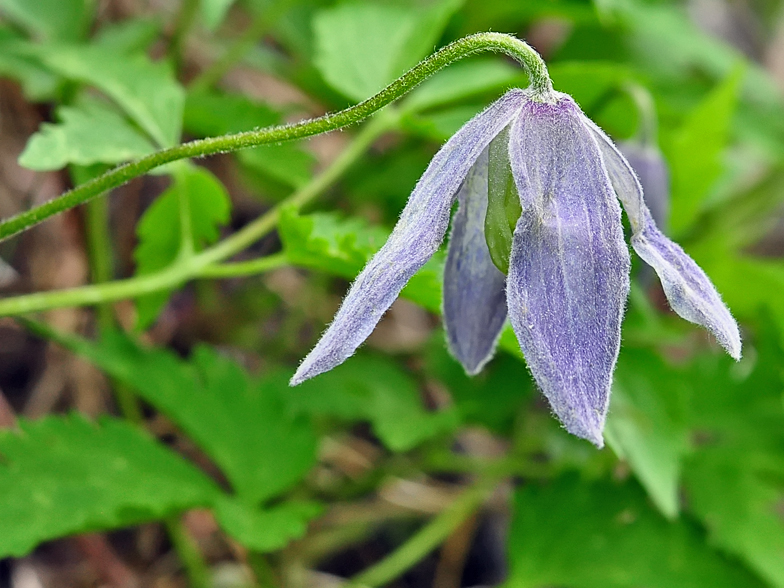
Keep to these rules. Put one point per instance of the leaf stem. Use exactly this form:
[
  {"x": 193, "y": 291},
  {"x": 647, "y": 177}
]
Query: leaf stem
[
  {"x": 427, "y": 539},
  {"x": 496, "y": 42},
  {"x": 188, "y": 552}
]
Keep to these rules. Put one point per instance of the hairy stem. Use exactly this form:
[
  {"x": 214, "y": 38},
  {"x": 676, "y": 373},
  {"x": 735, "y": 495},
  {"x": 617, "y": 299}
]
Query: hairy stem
[
  {"x": 497, "y": 42},
  {"x": 203, "y": 264}
]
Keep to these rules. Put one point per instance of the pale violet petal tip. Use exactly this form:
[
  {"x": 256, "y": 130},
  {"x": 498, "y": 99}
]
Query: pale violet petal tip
[
  {"x": 474, "y": 307},
  {"x": 415, "y": 238},
  {"x": 569, "y": 268},
  {"x": 689, "y": 291}
]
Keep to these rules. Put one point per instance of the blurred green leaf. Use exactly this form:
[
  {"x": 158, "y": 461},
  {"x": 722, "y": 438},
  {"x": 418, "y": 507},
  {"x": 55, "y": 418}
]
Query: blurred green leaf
[
  {"x": 160, "y": 228},
  {"x": 212, "y": 113},
  {"x": 362, "y": 47},
  {"x": 287, "y": 163},
  {"x": 65, "y": 475},
  {"x": 209, "y": 113},
  {"x": 19, "y": 61},
  {"x": 146, "y": 91},
  {"x": 735, "y": 478},
  {"x": 578, "y": 534},
  {"x": 327, "y": 242},
  {"x": 492, "y": 398},
  {"x": 244, "y": 425},
  {"x": 265, "y": 530},
  {"x": 52, "y": 20},
  {"x": 128, "y": 36},
  {"x": 645, "y": 424},
  {"x": 374, "y": 389},
  {"x": 696, "y": 149},
  {"x": 87, "y": 133},
  {"x": 463, "y": 80},
  {"x": 589, "y": 82},
  {"x": 214, "y": 11}
]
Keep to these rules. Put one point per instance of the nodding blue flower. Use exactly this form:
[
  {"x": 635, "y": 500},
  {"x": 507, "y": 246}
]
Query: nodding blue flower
[{"x": 567, "y": 266}]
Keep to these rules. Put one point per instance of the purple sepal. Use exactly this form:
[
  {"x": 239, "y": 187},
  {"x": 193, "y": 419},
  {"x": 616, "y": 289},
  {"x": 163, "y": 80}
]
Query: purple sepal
[
  {"x": 417, "y": 235},
  {"x": 569, "y": 268},
  {"x": 474, "y": 288},
  {"x": 689, "y": 291}
]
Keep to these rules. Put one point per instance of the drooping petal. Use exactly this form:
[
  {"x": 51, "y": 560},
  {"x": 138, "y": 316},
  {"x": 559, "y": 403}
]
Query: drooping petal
[
  {"x": 689, "y": 291},
  {"x": 474, "y": 288},
  {"x": 569, "y": 269},
  {"x": 416, "y": 236}
]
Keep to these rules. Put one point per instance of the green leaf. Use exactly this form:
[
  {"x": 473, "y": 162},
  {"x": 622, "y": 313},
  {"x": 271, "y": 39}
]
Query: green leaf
[
  {"x": 18, "y": 61},
  {"x": 326, "y": 242},
  {"x": 735, "y": 478},
  {"x": 645, "y": 424},
  {"x": 362, "y": 47},
  {"x": 128, "y": 36},
  {"x": 589, "y": 82},
  {"x": 211, "y": 113},
  {"x": 374, "y": 389},
  {"x": 463, "y": 80},
  {"x": 214, "y": 11},
  {"x": 160, "y": 229},
  {"x": 89, "y": 132},
  {"x": 52, "y": 20},
  {"x": 65, "y": 475},
  {"x": 579, "y": 534},
  {"x": 146, "y": 91},
  {"x": 287, "y": 163},
  {"x": 695, "y": 151},
  {"x": 265, "y": 530},
  {"x": 245, "y": 426},
  {"x": 492, "y": 398}
]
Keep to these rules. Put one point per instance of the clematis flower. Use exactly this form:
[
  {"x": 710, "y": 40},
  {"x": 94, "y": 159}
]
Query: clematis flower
[{"x": 567, "y": 270}]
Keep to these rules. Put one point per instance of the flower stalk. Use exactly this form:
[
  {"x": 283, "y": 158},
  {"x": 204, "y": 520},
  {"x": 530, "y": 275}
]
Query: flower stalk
[{"x": 494, "y": 42}]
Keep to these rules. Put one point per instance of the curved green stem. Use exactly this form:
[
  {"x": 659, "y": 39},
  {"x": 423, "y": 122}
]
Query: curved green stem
[
  {"x": 497, "y": 42},
  {"x": 202, "y": 264}
]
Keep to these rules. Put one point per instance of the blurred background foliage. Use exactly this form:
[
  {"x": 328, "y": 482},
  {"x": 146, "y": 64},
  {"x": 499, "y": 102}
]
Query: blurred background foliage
[{"x": 154, "y": 441}]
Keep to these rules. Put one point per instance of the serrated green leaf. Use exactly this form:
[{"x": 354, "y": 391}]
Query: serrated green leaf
[
  {"x": 361, "y": 47},
  {"x": 211, "y": 113},
  {"x": 327, "y": 242},
  {"x": 52, "y": 20},
  {"x": 645, "y": 424},
  {"x": 374, "y": 389},
  {"x": 146, "y": 91},
  {"x": 735, "y": 478},
  {"x": 160, "y": 229},
  {"x": 65, "y": 475},
  {"x": 265, "y": 530},
  {"x": 214, "y": 11},
  {"x": 245, "y": 426},
  {"x": 88, "y": 133},
  {"x": 695, "y": 151},
  {"x": 605, "y": 535}
]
